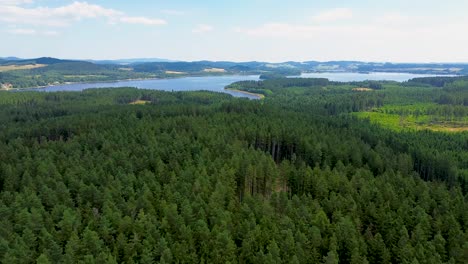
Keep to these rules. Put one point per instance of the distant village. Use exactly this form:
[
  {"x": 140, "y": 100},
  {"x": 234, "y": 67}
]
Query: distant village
[{"x": 6, "y": 86}]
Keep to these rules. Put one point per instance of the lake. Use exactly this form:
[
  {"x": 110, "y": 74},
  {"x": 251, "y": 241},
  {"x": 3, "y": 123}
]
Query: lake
[
  {"x": 208, "y": 83},
  {"x": 217, "y": 83},
  {"x": 373, "y": 76}
]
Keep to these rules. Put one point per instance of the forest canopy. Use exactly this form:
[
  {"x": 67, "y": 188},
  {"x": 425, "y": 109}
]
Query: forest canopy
[{"x": 201, "y": 177}]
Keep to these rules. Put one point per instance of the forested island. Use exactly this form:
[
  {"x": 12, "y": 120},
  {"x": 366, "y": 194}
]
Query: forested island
[{"x": 316, "y": 172}]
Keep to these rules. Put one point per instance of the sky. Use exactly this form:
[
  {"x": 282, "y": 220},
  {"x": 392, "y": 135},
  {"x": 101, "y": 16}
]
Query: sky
[{"x": 241, "y": 30}]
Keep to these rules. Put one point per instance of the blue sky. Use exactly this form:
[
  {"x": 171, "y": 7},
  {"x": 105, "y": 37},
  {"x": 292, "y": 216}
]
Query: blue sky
[{"x": 397, "y": 30}]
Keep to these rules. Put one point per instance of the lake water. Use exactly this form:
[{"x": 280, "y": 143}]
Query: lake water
[
  {"x": 217, "y": 83},
  {"x": 373, "y": 76},
  {"x": 208, "y": 83}
]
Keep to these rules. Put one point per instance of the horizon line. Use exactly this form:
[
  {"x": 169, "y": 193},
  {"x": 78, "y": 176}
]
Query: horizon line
[{"x": 244, "y": 61}]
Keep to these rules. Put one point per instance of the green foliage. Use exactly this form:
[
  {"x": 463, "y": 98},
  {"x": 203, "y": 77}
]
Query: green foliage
[
  {"x": 280, "y": 74},
  {"x": 64, "y": 72},
  {"x": 437, "y": 81},
  {"x": 206, "y": 178}
]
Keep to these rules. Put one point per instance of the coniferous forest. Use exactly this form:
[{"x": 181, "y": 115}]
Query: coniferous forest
[{"x": 317, "y": 172}]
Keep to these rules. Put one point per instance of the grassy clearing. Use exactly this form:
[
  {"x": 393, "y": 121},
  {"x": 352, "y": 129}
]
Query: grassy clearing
[
  {"x": 214, "y": 70},
  {"x": 360, "y": 89},
  {"x": 140, "y": 102},
  {"x": 175, "y": 72},
  {"x": 5, "y": 68},
  {"x": 83, "y": 76},
  {"x": 386, "y": 120},
  {"x": 400, "y": 122}
]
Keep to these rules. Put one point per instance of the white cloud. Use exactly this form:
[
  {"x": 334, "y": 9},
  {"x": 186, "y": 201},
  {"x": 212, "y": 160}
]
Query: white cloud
[
  {"x": 202, "y": 28},
  {"x": 80, "y": 10},
  {"x": 333, "y": 15},
  {"x": 295, "y": 31},
  {"x": 50, "y": 33},
  {"x": 396, "y": 25},
  {"x": 22, "y": 31},
  {"x": 28, "y": 31},
  {"x": 15, "y": 2},
  {"x": 394, "y": 18},
  {"x": 11, "y": 12},
  {"x": 381, "y": 37}
]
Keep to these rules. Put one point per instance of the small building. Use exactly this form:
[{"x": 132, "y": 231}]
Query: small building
[{"x": 6, "y": 86}]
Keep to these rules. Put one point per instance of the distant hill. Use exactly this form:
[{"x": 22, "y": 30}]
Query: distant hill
[
  {"x": 49, "y": 61},
  {"x": 171, "y": 66},
  {"x": 162, "y": 66},
  {"x": 240, "y": 68},
  {"x": 73, "y": 67},
  {"x": 130, "y": 61},
  {"x": 42, "y": 60}
]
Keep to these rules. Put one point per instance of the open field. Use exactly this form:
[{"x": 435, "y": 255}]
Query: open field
[
  {"x": 399, "y": 122},
  {"x": 214, "y": 70},
  {"x": 83, "y": 76},
  {"x": 140, "y": 102},
  {"x": 175, "y": 72},
  {"x": 5, "y": 68},
  {"x": 360, "y": 89}
]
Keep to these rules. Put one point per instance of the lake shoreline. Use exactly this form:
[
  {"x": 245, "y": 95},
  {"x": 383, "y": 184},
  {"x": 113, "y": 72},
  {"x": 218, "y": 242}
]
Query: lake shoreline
[
  {"x": 131, "y": 79},
  {"x": 113, "y": 81},
  {"x": 324, "y": 74},
  {"x": 213, "y": 83}
]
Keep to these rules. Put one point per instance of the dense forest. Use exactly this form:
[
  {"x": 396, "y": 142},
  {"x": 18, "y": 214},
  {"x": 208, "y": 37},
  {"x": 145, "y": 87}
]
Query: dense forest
[
  {"x": 137, "y": 176},
  {"x": 57, "y": 72}
]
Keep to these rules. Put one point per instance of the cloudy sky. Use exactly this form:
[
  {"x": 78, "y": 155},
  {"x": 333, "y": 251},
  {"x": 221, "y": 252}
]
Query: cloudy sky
[{"x": 241, "y": 30}]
